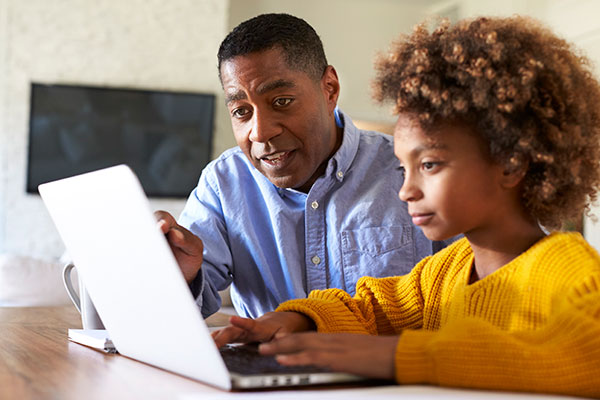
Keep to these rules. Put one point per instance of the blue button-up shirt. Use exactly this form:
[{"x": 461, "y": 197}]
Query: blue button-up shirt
[{"x": 275, "y": 244}]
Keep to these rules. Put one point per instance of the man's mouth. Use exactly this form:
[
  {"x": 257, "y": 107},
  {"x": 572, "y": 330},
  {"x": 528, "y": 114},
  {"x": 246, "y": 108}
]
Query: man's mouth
[
  {"x": 276, "y": 159},
  {"x": 275, "y": 156}
]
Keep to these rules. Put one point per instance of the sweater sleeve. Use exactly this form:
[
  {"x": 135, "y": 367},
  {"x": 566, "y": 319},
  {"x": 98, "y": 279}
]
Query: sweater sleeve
[
  {"x": 563, "y": 356},
  {"x": 383, "y": 306}
]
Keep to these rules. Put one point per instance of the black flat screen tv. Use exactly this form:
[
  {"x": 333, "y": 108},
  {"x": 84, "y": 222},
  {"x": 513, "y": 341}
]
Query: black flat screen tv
[{"x": 165, "y": 137}]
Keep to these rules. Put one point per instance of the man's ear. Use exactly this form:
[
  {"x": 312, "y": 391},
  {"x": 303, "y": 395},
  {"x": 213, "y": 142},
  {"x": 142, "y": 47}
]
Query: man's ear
[{"x": 330, "y": 85}]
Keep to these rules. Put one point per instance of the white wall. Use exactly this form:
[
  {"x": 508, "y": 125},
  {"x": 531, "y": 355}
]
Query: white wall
[
  {"x": 151, "y": 44},
  {"x": 353, "y": 31},
  {"x": 3, "y": 110},
  {"x": 534, "y": 8},
  {"x": 578, "y": 21},
  {"x": 172, "y": 45}
]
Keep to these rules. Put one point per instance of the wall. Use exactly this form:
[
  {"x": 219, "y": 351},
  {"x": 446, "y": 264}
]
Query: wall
[
  {"x": 3, "y": 108},
  {"x": 150, "y": 44},
  {"x": 577, "y": 20},
  {"x": 353, "y": 31},
  {"x": 534, "y": 8},
  {"x": 172, "y": 45}
]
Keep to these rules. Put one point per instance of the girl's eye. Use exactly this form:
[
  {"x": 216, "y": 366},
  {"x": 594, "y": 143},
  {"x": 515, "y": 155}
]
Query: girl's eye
[
  {"x": 283, "y": 101},
  {"x": 429, "y": 165},
  {"x": 400, "y": 169}
]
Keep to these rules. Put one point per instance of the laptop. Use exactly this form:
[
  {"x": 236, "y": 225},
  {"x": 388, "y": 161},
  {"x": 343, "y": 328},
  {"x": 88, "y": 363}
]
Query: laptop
[{"x": 127, "y": 266}]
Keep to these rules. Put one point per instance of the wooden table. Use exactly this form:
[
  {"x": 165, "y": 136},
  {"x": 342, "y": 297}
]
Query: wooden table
[{"x": 37, "y": 361}]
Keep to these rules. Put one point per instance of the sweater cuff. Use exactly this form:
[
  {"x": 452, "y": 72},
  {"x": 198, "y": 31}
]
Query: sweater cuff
[
  {"x": 413, "y": 365},
  {"x": 327, "y": 319}
]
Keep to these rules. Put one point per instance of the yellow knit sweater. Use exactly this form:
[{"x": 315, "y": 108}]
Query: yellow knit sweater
[{"x": 532, "y": 325}]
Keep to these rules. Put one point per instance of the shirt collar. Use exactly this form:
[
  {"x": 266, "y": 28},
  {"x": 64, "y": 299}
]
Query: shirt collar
[{"x": 341, "y": 161}]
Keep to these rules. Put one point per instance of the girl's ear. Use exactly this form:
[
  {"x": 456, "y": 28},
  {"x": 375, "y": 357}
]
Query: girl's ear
[{"x": 512, "y": 176}]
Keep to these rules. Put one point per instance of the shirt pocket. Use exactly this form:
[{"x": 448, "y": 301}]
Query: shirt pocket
[{"x": 379, "y": 252}]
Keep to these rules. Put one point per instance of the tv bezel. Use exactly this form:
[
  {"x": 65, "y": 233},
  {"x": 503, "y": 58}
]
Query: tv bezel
[{"x": 34, "y": 190}]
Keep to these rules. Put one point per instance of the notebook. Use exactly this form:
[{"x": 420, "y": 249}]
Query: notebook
[
  {"x": 95, "y": 338},
  {"x": 127, "y": 266}
]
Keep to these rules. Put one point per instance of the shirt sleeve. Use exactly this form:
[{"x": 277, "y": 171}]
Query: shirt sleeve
[
  {"x": 563, "y": 356},
  {"x": 381, "y": 306},
  {"x": 203, "y": 216}
]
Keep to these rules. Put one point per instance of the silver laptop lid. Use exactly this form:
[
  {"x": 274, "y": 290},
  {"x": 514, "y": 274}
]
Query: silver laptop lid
[{"x": 107, "y": 225}]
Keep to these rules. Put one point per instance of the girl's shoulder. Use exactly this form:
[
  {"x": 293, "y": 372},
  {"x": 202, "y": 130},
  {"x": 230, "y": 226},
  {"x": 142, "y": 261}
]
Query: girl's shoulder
[
  {"x": 568, "y": 251},
  {"x": 563, "y": 245}
]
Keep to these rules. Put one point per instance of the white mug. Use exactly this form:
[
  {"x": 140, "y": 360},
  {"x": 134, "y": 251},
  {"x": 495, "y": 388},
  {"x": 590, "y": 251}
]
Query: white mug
[{"x": 89, "y": 316}]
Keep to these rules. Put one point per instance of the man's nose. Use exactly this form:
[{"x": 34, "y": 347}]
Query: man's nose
[
  {"x": 264, "y": 127},
  {"x": 410, "y": 190}
]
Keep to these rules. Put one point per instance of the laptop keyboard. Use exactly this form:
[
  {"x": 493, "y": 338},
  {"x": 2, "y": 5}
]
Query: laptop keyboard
[{"x": 246, "y": 360}]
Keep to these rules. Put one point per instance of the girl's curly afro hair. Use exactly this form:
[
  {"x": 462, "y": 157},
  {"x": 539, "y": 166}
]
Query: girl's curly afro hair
[{"x": 527, "y": 92}]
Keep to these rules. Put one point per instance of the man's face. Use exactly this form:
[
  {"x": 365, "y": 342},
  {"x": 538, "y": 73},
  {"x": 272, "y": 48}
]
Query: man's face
[{"x": 281, "y": 118}]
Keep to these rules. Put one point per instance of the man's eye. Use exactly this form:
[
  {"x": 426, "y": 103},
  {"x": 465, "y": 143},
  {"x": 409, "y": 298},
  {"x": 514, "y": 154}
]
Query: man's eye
[
  {"x": 239, "y": 112},
  {"x": 282, "y": 101}
]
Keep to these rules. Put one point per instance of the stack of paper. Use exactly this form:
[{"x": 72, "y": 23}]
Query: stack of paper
[{"x": 96, "y": 338}]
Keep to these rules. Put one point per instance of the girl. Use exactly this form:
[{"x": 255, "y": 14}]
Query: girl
[{"x": 498, "y": 138}]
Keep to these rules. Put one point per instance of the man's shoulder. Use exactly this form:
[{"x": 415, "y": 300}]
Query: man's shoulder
[
  {"x": 375, "y": 136},
  {"x": 230, "y": 154},
  {"x": 231, "y": 159},
  {"x": 229, "y": 167},
  {"x": 375, "y": 141},
  {"x": 365, "y": 134},
  {"x": 374, "y": 150}
]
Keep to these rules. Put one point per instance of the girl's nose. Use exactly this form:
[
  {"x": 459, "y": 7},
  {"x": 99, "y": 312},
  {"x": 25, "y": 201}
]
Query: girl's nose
[{"x": 410, "y": 190}]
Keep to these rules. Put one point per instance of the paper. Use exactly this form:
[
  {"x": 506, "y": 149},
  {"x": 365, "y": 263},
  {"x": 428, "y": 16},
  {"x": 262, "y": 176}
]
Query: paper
[{"x": 96, "y": 338}]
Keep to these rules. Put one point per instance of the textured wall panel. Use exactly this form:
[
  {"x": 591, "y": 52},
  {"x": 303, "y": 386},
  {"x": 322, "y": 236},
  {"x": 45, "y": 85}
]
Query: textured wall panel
[{"x": 150, "y": 44}]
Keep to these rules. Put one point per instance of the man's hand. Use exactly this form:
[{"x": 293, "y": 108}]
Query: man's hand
[
  {"x": 186, "y": 247},
  {"x": 263, "y": 329},
  {"x": 371, "y": 356}
]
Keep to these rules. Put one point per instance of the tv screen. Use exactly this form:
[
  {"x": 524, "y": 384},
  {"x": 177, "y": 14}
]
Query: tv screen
[{"x": 165, "y": 137}]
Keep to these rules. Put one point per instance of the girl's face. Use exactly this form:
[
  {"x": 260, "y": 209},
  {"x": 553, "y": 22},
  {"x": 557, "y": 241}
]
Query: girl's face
[{"x": 450, "y": 184}]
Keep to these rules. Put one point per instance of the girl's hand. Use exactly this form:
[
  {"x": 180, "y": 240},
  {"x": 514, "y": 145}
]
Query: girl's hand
[
  {"x": 370, "y": 356},
  {"x": 263, "y": 329}
]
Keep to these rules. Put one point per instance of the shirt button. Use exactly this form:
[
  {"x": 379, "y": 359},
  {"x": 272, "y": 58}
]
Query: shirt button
[
  {"x": 315, "y": 260},
  {"x": 340, "y": 174},
  {"x": 314, "y": 205}
]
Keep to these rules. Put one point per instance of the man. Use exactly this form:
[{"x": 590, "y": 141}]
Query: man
[{"x": 306, "y": 200}]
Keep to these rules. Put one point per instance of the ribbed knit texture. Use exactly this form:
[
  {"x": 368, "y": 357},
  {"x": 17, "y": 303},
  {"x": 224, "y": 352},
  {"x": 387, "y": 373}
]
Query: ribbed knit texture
[{"x": 533, "y": 325}]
